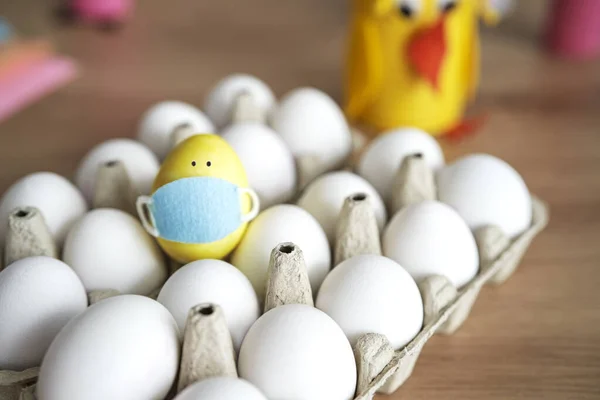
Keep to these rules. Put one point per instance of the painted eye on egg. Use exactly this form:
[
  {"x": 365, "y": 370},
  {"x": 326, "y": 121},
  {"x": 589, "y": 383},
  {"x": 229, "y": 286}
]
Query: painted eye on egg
[
  {"x": 447, "y": 5},
  {"x": 208, "y": 163},
  {"x": 409, "y": 8},
  {"x": 193, "y": 163}
]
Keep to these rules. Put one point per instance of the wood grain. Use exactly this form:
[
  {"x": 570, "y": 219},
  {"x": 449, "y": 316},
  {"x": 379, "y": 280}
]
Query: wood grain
[{"x": 537, "y": 336}]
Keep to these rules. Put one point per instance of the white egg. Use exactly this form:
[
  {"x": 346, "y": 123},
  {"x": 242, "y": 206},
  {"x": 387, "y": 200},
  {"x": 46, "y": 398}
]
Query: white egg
[
  {"x": 486, "y": 191},
  {"x": 298, "y": 352},
  {"x": 430, "y": 238},
  {"x": 38, "y": 296},
  {"x": 124, "y": 347},
  {"x": 279, "y": 224},
  {"x": 59, "y": 201},
  {"x": 312, "y": 124},
  {"x": 269, "y": 164},
  {"x": 159, "y": 122},
  {"x": 109, "y": 249},
  {"x": 221, "y": 388},
  {"x": 373, "y": 294},
  {"x": 324, "y": 199},
  {"x": 221, "y": 99},
  {"x": 217, "y": 282},
  {"x": 141, "y": 165},
  {"x": 382, "y": 158}
]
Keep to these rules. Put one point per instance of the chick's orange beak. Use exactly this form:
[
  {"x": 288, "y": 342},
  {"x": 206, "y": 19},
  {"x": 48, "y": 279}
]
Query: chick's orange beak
[{"x": 426, "y": 52}]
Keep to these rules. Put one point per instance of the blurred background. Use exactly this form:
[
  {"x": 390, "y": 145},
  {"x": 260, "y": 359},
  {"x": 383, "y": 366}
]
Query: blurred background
[{"x": 537, "y": 336}]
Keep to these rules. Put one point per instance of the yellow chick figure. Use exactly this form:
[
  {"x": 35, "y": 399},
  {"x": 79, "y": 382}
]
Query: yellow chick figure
[
  {"x": 414, "y": 62},
  {"x": 201, "y": 203}
]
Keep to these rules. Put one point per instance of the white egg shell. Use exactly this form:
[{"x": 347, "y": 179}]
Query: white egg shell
[
  {"x": 109, "y": 249},
  {"x": 269, "y": 164},
  {"x": 217, "y": 282},
  {"x": 141, "y": 165},
  {"x": 486, "y": 191},
  {"x": 430, "y": 238},
  {"x": 38, "y": 296},
  {"x": 382, "y": 158},
  {"x": 159, "y": 122},
  {"x": 124, "y": 347},
  {"x": 221, "y": 388},
  {"x": 373, "y": 294},
  {"x": 59, "y": 201},
  {"x": 324, "y": 199},
  {"x": 312, "y": 124},
  {"x": 298, "y": 352},
  {"x": 279, "y": 224},
  {"x": 221, "y": 99}
]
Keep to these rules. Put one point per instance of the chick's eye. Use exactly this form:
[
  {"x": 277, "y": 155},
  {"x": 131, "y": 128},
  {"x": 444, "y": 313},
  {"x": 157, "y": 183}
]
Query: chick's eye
[
  {"x": 447, "y": 5},
  {"x": 409, "y": 8},
  {"x": 208, "y": 163},
  {"x": 193, "y": 163}
]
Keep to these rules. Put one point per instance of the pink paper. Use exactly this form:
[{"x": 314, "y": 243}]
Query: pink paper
[
  {"x": 34, "y": 82},
  {"x": 96, "y": 10},
  {"x": 574, "y": 28}
]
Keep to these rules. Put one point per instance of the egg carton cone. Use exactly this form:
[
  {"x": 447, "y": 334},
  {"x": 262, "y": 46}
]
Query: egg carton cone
[
  {"x": 414, "y": 182},
  {"x": 13, "y": 383},
  {"x": 180, "y": 133},
  {"x": 207, "y": 346},
  {"x": 287, "y": 278},
  {"x": 359, "y": 144},
  {"x": 246, "y": 109},
  {"x": 445, "y": 307},
  {"x": 357, "y": 232},
  {"x": 113, "y": 188},
  {"x": 27, "y": 236}
]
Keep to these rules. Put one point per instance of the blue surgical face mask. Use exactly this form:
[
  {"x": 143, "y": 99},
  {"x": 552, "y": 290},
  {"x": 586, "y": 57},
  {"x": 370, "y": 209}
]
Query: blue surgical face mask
[{"x": 195, "y": 210}]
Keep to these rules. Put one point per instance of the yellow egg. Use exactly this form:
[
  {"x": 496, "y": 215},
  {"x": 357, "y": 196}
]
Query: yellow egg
[{"x": 201, "y": 156}]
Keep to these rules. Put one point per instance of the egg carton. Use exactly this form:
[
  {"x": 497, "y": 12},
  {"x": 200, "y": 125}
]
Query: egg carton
[
  {"x": 382, "y": 369},
  {"x": 207, "y": 349}
]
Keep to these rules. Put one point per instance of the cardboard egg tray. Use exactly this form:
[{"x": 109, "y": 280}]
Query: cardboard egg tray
[
  {"x": 445, "y": 308},
  {"x": 207, "y": 349}
]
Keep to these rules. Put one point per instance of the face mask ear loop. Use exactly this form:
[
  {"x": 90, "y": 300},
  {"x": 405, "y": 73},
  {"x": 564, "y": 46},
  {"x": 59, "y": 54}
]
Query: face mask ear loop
[
  {"x": 143, "y": 204},
  {"x": 255, "y": 204}
]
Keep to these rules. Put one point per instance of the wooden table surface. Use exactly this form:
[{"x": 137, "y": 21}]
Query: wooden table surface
[{"x": 537, "y": 336}]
